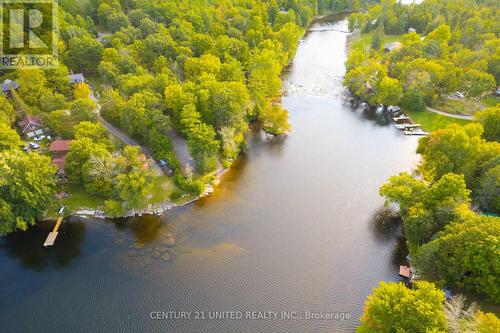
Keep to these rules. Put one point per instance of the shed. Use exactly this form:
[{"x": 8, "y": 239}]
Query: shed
[
  {"x": 59, "y": 149},
  {"x": 76, "y": 78}
]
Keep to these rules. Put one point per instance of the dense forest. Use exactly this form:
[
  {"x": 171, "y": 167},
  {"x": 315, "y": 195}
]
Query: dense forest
[
  {"x": 156, "y": 69},
  {"x": 441, "y": 47},
  {"x": 417, "y": 56}
]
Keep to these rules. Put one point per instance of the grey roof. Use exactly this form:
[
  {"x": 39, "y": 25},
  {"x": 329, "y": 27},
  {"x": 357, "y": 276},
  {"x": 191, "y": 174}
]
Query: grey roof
[
  {"x": 7, "y": 85},
  {"x": 74, "y": 78},
  {"x": 392, "y": 46}
]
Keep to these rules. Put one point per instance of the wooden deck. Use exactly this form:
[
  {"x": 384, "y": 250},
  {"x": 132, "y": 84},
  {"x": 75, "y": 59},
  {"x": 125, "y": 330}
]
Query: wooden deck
[{"x": 51, "y": 238}]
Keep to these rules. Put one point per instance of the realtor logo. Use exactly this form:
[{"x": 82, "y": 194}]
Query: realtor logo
[{"x": 28, "y": 33}]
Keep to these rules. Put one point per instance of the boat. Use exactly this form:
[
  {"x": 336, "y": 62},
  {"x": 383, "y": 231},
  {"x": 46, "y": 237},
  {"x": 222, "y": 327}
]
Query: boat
[
  {"x": 380, "y": 108},
  {"x": 400, "y": 126},
  {"x": 392, "y": 108}
]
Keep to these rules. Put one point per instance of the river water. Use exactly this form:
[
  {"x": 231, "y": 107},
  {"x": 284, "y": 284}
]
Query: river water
[{"x": 296, "y": 225}]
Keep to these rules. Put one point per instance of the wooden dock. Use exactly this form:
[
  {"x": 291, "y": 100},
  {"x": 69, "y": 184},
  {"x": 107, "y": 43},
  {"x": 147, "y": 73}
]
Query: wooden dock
[{"x": 53, "y": 235}]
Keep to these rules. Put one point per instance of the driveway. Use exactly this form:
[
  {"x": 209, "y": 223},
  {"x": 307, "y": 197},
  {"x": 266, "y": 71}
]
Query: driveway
[{"x": 451, "y": 115}]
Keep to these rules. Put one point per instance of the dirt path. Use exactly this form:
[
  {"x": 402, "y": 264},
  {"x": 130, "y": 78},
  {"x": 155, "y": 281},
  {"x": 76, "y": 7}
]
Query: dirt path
[
  {"x": 125, "y": 138},
  {"x": 451, "y": 115}
]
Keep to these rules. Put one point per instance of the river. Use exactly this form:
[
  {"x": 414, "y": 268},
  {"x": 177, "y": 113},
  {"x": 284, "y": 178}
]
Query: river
[{"x": 296, "y": 225}]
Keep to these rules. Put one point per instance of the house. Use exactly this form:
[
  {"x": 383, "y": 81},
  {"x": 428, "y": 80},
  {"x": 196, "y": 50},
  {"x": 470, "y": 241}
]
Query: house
[
  {"x": 389, "y": 47},
  {"x": 76, "y": 78},
  {"x": 8, "y": 86},
  {"x": 31, "y": 126},
  {"x": 59, "y": 150}
]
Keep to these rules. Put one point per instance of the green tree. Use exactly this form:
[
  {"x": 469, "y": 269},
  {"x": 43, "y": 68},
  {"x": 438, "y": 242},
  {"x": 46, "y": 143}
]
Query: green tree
[
  {"x": 395, "y": 308},
  {"x": 80, "y": 152},
  {"x": 134, "y": 183},
  {"x": 466, "y": 255},
  {"x": 117, "y": 21},
  {"x": 378, "y": 37},
  {"x": 478, "y": 83},
  {"x": 9, "y": 139},
  {"x": 412, "y": 100},
  {"x": 111, "y": 105},
  {"x": 93, "y": 131},
  {"x": 27, "y": 186},
  {"x": 275, "y": 119},
  {"x": 203, "y": 146},
  {"x": 7, "y": 113},
  {"x": 490, "y": 119},
  {"x": 52, "y": 101},
  {"x": 31, "y": 85},
  {"x": 388, "y": 92},
  {"x": 426, "y": 209},
  {"x": 83, "y": 54},
  {"x": 61, "y": 123},
  {"x": 83, "y": 109}
]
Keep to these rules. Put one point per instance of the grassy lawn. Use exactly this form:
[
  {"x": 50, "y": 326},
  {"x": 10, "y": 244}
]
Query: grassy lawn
[
  {"x": 80, "y": 198},
  {"x": 163, "y": 187},
  {"x": 365, "y": 40},
  {"x": 432, "y": 121},
  {"x": 463, "y": 106},
  {"x": 185, "y": 198},
  {"x": 491, "y": 100}
]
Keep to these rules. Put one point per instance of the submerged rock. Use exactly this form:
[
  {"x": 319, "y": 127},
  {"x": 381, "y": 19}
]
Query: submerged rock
[
  {"x": 138, "y": 246},
  {"x": 169, "y": 241}
]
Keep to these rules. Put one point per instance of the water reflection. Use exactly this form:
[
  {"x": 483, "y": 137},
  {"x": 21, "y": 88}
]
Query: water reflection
[
  {"x": 387, "y": 226},
  {"x": 27, "y": 247}
]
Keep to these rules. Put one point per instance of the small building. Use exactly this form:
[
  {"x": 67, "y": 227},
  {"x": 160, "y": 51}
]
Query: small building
[
  {"x": 404, "y": 271},
  {"x": 410, "y": 30},
  {"x": 76, "y": 78},
  {"x": 8, "y": 86},
  {"x": 31, "y": 126},
  {"x": 389, "y": 47},
  {"x": 59, "y": 150}
]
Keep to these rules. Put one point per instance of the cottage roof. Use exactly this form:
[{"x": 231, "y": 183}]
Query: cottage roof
[
  {"x": 59, "y": 163},
  {"x": 29, "y": 122},
  {"x": 60, "y": 146}
]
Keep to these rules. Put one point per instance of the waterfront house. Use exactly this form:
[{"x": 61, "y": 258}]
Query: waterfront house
[
  {"x": 8, "y": 86},
  {"x": 31, "y": 126},
  {"x": 59, "y": 150}
]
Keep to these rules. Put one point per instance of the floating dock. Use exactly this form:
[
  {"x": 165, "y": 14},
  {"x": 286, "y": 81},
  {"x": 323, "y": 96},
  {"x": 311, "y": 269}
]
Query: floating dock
[{"x": 53, "y": 235}]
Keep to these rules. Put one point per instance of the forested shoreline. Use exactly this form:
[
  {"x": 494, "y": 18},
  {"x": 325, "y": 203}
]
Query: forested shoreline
[
  {"x": 416, "y": 56},
  {"x": 199, "y": 69}
]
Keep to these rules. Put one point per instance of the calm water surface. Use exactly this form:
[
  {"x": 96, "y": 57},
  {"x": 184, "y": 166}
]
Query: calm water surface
[{"x": 297, "y": 225}]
